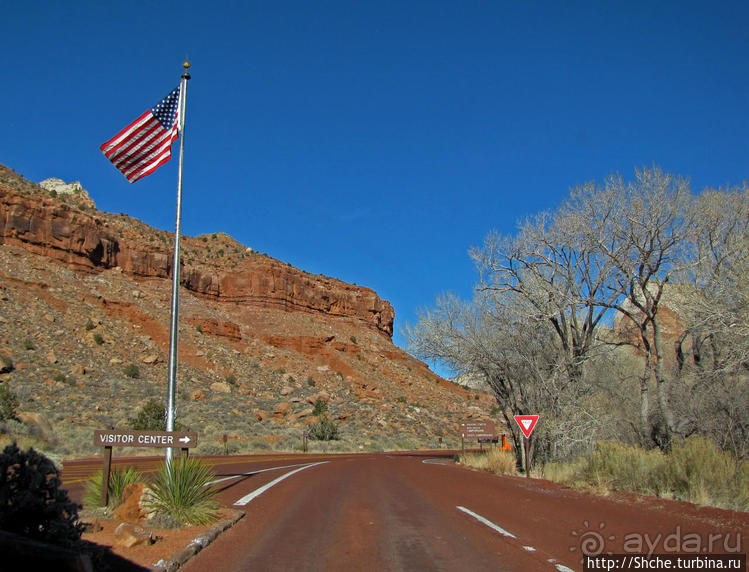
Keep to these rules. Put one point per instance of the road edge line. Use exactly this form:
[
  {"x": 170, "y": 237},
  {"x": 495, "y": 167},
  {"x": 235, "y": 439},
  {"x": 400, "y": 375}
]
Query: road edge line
[{"x": 257, "y": 492}]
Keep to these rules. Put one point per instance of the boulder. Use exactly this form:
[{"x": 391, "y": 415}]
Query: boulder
[
  {"x": 130, "y": 509},
  {"x": 129, "y": 534}
]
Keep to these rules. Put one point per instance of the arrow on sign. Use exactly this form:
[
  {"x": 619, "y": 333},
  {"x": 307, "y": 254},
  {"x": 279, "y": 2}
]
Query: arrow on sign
[
  {"x": 184, "y": 440},
  {"x": 527, "y": 424}
]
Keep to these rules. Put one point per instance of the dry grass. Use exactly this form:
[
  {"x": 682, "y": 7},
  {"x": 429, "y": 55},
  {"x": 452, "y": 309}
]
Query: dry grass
[
  {"x": 695, "y": 470},
  {"x": 495, "y": 461}
]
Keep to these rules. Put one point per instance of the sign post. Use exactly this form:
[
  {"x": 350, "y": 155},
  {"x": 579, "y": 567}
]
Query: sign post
[
  {"x": 527, "y": 424},
  {"x": 109, "y": 438}
]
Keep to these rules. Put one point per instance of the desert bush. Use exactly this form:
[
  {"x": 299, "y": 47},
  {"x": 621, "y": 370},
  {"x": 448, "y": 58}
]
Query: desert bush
[
  {"x": 151, "y": 417},
  {"x": 180, "y": 491},
  {"x": 319, "y": 407},
  {"x": 695, "y": 470},
  {"x": 89, "y": 325},
  {"x": 698, "y": 471},
  {"x": 27, "y": 344},
  {"x": 98, "y": 339},
  {"x": 31, "y": 501},
  {"x": 131, "y": 370},
  {"x": 8, "y": 404},
  {"x": 323, "y": 430},
  {"x": 118, "y": 480},
  {"x": 7, "y": 364},
  {"x": 627, "y": 468}
]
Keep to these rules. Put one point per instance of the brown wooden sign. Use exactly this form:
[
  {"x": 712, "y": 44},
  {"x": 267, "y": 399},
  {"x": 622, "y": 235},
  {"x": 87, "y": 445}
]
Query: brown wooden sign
[
  {"x": 162, "y": 439},
  {"x": 478, "y": 430}
]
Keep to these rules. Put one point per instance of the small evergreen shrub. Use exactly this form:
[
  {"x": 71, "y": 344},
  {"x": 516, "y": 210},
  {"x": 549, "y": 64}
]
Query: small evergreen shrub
[
  {"x": 131, "y": 370},
  {"x": 6, "y": 364},
  {"x": 323, "y": 430},
  {"x": 8, "y": 404},
  {"x": 151, "y": 417},
  {"x": 180, "y": 491},
  {"x": 31, "y": 501},
  {"x": 319, "y": 407},
  {"x": 98, "y": 339},
  {"x": 89, "y": 325},
  {"x": 27, "y": 344}
]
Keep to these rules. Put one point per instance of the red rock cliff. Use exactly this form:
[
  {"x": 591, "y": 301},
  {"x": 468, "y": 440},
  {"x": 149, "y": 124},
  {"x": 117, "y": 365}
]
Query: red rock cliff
[{"x": 91, "y": 241}]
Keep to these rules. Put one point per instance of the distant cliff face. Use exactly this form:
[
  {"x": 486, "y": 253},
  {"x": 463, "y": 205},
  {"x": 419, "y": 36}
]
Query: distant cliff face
[
  {"x": 92, "y": 241},
  {"x": 84, "y": 321}
]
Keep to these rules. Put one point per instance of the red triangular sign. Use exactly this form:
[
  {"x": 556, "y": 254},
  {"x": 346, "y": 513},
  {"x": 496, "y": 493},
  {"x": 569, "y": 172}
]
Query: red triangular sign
[{"x": 527, "y": 424}]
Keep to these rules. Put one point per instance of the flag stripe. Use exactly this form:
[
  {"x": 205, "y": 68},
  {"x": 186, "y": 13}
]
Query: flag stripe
[{"x": 146, "y": 143}]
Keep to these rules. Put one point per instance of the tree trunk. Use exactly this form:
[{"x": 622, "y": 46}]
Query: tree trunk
[{"x": 662, "y": 385}]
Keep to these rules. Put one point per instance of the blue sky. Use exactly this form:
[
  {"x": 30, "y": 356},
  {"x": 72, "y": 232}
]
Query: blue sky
[{"x": 376, "y": 142}]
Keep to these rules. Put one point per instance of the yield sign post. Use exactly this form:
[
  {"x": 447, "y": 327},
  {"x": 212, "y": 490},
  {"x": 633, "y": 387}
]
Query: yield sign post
[{"x": 527, "y": 424}]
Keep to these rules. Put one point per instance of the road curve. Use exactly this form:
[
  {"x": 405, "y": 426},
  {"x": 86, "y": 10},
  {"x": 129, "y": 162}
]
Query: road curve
[{"x": 400, "y": 512}]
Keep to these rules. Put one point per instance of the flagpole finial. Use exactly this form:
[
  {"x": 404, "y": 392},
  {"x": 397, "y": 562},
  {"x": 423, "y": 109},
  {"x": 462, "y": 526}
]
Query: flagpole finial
[{"x": 186, "y": 65}]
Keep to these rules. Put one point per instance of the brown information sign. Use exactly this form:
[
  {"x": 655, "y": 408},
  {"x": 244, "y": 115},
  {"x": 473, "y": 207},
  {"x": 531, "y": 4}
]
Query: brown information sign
[
  {"x": 118, "y": 438},
  {"x": 478, "y": 430}
]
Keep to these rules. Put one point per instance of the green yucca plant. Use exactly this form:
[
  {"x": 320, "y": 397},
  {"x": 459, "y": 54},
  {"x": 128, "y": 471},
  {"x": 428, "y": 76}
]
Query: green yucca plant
[
  {"x": 118, "y": 480},
  {"x": 180, "y": 490}
]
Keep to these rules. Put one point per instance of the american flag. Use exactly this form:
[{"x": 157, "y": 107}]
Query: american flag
[{"x": 146, "y": 144}]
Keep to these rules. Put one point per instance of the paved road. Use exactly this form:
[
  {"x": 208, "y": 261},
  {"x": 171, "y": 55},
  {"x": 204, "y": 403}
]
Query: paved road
[
  {"x": 421, "y": 512},
  {"x": 402, "y": 512}
]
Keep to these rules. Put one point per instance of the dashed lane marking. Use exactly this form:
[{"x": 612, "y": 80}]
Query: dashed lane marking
[
  {"x": 257, "y": 492},
  {"x": 503, "y": 532},
  {"x": 487, "y": 522}
]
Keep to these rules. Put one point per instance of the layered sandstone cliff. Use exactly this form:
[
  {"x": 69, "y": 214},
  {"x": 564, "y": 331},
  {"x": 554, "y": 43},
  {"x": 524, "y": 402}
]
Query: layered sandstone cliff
[{"x": 90, "y": 241}]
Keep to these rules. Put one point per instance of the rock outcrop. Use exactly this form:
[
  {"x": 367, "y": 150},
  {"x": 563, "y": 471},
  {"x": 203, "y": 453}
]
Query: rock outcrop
[{"x": 86, "y": 241}]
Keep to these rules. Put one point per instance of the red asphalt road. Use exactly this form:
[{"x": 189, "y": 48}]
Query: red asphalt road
[{"x": 400, "y": 512}]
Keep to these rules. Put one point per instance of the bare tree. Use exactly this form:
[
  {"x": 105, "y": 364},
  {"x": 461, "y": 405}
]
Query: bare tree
[
  {"x": 518, "y": 358},
  {"x": 646, "y": 230},
  {"x": 712, "y": 354}
]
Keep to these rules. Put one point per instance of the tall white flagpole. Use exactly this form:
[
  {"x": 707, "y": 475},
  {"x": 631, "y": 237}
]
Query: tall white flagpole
[{"x": 174, "y": 328}]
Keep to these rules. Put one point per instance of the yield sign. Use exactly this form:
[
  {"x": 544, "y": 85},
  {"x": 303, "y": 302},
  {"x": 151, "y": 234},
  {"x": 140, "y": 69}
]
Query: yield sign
[{"x": 527, "y": 424}]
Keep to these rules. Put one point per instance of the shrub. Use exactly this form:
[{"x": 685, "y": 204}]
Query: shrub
[
  {"x": 8, "y": 404},
  {"x": 7, "y": 364},
  {"x": 180, "y": 491},
  {"x": 627, "y": 468},
  {"x": 698, "y": 471},
  {"x": 319, "y": 408},
  {"x": 323, "y": 430},
  {"x": 231, "y": 379},
  {"x": 311, "y": 382},
  {"x": 131, "y": 370},
  {"x": 31, "y": 502},
  {"x": 151, "y": 417},
  {"x": 27, "y": 344},
  {"x": 98, "y": 339},
  {"x": 89, "y": 325},
  {"x": 118, "y": 480}
]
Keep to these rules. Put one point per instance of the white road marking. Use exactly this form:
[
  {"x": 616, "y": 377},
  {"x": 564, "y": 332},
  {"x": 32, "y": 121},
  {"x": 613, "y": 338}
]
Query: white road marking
[
  {"x": 257, "y": 492},
  {"x": 560, "y": 567},
  {"x": 488, "y": 523},
  {"x": 503, "y": 532},
  {"x": 436, "y": 462},
  {"x": 256, "y": 472}
]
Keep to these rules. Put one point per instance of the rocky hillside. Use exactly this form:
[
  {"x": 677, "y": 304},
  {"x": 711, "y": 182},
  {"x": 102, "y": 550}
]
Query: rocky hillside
[{"x": 84, "y": 328}]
